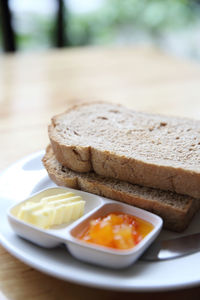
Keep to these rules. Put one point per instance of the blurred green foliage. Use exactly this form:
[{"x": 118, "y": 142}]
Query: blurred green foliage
[
  {"x": 38, "y": 35},
  {"x": 114, "y": 21},
  {"x": 150, "y": 16}
]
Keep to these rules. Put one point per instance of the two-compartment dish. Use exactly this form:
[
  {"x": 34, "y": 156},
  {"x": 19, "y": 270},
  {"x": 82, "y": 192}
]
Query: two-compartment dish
[{"x": 69, "y": 234}]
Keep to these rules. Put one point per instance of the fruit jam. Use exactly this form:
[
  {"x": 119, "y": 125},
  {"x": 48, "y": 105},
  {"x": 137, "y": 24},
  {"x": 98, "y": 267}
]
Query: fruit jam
[{"x": 116, "y": 230}]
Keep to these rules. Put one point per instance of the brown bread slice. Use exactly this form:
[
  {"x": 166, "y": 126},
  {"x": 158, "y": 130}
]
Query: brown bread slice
[
  {"x": 113, "y": 141},
  {"x": 176, "y": 210}
]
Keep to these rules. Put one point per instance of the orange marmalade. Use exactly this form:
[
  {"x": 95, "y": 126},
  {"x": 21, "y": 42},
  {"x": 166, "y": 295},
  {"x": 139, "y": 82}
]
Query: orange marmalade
[{"x": 117, "y": 230}]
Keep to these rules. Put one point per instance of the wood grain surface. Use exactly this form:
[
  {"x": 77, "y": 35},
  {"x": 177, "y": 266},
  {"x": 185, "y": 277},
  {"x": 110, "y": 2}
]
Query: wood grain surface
[{"x": 34, "y": 87}]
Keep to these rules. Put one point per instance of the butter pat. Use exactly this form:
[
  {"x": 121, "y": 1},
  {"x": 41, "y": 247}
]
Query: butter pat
[{"x": 52, "y": 210}]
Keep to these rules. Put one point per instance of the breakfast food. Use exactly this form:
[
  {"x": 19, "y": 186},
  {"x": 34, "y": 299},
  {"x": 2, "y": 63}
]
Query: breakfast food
[
  {"x": 176, "y": 210},
  {"x": 112, "y": 141},
  {"x": 52, "y": 210},
  {"x": 116, "y": 230}
]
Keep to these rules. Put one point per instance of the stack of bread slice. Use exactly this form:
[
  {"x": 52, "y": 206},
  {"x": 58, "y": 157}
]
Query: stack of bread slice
[{"x": 149, "y": 161}]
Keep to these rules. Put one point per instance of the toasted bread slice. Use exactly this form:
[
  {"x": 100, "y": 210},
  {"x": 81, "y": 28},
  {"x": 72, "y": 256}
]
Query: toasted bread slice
[
  {"x": 112, "y": 141},
  {"x": 176, "y": 210}
]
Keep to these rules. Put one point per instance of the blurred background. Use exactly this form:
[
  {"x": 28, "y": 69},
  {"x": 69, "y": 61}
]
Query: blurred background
[{"x": 33, "y": 25}]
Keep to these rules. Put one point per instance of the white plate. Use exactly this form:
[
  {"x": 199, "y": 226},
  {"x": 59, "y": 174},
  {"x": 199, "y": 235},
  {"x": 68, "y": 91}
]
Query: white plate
[{"x": 27, "y": 177}]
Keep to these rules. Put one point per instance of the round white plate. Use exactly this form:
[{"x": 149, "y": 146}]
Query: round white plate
[{"x": 29, "y": 176}]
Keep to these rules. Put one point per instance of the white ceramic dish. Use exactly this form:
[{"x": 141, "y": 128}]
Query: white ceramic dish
[
  {"x": 27, "y": 177},
  {"x": 95, "y": 207}
]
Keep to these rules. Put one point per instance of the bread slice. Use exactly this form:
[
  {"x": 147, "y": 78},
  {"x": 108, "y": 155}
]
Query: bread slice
[
  {"x": 176, "y": 210},
  {"x": 150, "y": 150}
]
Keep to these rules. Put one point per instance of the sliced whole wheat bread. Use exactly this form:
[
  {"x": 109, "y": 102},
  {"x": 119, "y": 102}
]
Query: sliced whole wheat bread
[
  {"x": 150, "y": 150},
  {"x": 176, "y": 210}
]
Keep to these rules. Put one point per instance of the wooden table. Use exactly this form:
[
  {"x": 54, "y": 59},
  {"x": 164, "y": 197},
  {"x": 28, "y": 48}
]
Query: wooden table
[{"x": 33, "y": 87}]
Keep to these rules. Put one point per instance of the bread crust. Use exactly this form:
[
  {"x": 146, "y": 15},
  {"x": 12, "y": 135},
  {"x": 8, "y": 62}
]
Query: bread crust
[
  {"x": 167, "y": 174},
  {"x": 176, "y": 217}
]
